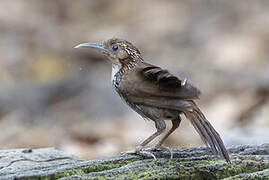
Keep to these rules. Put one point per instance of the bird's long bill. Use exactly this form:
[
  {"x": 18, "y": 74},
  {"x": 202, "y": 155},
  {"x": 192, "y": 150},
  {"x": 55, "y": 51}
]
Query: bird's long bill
[{"x": 97, "y": 46}]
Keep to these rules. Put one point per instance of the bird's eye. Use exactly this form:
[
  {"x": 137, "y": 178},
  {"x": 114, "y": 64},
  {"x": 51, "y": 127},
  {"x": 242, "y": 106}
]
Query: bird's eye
[{"x": 115, "y": 47}]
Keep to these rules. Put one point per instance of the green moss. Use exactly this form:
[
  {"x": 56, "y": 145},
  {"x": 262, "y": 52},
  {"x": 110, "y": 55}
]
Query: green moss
[
  {"x": 264, "y": 174},
  {"x": 167, "y": 169},
  {"x": 93, "y": 167}
]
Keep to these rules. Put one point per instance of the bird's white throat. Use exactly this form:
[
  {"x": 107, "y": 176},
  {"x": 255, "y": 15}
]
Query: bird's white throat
[{"x": 115, "y": 69}]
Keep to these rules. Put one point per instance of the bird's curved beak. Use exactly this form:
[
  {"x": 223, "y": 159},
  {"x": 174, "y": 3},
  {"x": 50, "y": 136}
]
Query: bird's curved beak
[{"x": 97, "y": 46}]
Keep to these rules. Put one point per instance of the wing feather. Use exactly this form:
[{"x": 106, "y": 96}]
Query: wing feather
[{"x": 155, "y": 81}]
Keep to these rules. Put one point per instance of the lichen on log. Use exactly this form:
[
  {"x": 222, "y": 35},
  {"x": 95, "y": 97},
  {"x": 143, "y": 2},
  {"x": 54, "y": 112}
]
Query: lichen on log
[{"x": 248, "y": 162}]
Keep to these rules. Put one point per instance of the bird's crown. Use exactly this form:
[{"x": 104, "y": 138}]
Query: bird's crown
[{"x": 121, "y": 48}]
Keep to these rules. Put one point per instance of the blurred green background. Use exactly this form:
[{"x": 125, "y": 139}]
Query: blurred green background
[{"x": 54, "y": 95}]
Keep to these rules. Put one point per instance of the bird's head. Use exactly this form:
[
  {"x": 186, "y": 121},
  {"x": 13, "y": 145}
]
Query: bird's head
[{"x": 119, "y": 51}]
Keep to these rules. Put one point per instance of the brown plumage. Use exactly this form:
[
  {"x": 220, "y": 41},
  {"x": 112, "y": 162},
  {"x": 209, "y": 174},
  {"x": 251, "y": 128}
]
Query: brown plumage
[{"x": 156, "y": 94}]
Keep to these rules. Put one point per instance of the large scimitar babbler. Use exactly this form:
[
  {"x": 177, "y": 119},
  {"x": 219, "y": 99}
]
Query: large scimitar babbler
[{"x": 156, "y": 94}]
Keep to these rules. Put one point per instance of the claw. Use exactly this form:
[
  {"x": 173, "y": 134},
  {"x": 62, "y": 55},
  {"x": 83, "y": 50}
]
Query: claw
[
  {"x": 129, "y": 152},
  {"x": 140, "y": 151},
  {"x": 158, "y": 147},
  {"x": 147, "y": 154},
  {"x": 171, "y": 153}
]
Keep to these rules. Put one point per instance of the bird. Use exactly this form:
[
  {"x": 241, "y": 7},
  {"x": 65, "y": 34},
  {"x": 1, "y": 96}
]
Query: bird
[{"x": 156, "y": 94}]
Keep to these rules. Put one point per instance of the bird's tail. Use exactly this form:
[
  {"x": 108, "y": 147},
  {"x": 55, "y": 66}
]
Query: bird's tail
[{"x": 206, "y": 131}]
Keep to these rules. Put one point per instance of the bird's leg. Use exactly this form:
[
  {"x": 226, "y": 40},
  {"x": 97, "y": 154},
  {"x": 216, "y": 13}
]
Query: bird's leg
[
  {"x": 160, "y": 126},
  {"x": 175, "y": 124}
]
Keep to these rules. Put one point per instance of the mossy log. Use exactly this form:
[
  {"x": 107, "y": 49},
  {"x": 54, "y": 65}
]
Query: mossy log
[{"x": 248, "y": 162}]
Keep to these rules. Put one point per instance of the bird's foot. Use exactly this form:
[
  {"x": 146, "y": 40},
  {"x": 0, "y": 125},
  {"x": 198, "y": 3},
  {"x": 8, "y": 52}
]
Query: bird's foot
[
  {"x": 159, "y": 147},
  {"x": 139, "y": 150},
  {"x": 148, "y": 152}
]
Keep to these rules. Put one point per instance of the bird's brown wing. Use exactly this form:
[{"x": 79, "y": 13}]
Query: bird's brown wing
[
  {"x": 153, "y": 81},
  {"x": 154, "y": 87}
]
